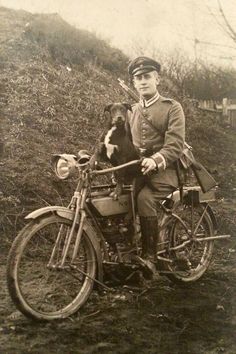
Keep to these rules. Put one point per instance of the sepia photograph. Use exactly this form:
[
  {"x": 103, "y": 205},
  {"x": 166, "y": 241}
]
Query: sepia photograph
[{"x": 118, "y": 176}]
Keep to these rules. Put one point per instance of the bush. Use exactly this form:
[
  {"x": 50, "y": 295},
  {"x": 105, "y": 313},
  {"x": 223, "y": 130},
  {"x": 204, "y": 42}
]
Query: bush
[{"x": 69, "y": 45}]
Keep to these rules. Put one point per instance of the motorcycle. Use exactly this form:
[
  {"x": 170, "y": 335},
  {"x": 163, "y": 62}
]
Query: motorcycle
[{"x": 63, "y": 253}]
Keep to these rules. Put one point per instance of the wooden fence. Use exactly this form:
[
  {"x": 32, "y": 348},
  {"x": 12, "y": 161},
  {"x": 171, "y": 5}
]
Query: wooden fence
[{"x": 227, "y": 108}]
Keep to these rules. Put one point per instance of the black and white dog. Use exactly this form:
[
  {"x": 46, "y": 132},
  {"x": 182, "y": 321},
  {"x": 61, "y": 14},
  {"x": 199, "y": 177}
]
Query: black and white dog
[{"x": 116, "y": 144}]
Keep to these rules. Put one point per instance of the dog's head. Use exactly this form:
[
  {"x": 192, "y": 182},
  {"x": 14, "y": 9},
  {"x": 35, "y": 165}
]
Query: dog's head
[{"x": 116, "y": 114}]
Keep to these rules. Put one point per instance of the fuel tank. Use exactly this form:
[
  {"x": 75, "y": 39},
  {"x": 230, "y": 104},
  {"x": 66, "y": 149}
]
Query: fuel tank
[{"x": 107, "y": 206}]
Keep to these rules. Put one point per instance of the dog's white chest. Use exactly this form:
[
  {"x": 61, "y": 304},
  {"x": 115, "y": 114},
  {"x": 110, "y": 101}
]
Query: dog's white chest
[{"x": 110, "y": 148}]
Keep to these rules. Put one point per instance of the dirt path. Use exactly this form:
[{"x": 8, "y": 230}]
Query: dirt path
[{"x": 200, "y": 319}]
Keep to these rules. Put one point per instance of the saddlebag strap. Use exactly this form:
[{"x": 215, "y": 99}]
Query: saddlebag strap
[{"x": 181, "y": 180}]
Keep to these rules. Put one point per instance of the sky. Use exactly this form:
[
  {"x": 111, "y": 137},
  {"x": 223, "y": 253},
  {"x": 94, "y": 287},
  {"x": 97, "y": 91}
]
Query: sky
[{"x": 149, "y": 26}]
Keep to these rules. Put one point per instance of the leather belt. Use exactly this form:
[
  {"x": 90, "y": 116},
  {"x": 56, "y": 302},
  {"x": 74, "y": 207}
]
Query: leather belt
[{"x": 144, "y": 152}]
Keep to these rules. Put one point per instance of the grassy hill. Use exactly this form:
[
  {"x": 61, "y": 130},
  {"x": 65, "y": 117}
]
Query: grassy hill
[{"x": 54, "y": 83}]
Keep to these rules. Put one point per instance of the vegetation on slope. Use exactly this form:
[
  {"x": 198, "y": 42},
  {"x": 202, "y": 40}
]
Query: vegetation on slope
[{"x": 54, "y": 83}]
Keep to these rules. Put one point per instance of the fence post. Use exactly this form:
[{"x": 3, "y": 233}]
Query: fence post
[{"x": 225, "y": 107}]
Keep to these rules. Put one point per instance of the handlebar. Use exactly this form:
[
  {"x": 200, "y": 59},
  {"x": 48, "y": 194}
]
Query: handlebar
[{"x": 116, "y": 168}]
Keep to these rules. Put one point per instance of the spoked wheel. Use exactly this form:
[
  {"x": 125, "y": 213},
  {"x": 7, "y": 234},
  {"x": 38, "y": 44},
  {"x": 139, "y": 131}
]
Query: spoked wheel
[
  {"x": 187, "y": 254},
  {"x": 39, "y": 286}
]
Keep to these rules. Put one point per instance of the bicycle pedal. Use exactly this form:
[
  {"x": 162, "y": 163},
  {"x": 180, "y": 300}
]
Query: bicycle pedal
[{"x": 147, "y": 264}]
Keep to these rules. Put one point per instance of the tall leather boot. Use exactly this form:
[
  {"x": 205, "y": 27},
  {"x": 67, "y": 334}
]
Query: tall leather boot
[{"x": 149, "y": 236}]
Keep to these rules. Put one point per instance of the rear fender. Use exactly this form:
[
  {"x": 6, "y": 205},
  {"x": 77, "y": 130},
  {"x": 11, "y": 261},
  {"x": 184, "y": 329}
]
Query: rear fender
[
  {"x": 176, "y": 198},
  {"x": 69, "y": 215}
]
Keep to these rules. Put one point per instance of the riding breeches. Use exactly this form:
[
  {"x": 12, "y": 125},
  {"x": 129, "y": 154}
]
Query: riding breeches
[{"x": 150, "y": 195}]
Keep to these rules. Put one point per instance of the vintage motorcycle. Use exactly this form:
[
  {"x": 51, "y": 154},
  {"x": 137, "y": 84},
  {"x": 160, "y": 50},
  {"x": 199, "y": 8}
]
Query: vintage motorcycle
[{"x": 64, "y": 252}]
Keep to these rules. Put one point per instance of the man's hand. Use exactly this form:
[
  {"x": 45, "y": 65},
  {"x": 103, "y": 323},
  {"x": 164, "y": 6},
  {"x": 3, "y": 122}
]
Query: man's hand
[{"x": 148, "y": 165}]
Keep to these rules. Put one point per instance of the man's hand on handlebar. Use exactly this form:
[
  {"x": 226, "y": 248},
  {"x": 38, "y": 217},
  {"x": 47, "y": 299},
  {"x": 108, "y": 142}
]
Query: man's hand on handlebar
[{"x": 147, "y": 165}]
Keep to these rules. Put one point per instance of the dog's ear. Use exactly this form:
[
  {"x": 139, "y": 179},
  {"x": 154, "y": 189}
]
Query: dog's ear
[
  {"x": 107, "y": 114},
  {"x": 128, "y": 106},
  {"x": 108, "y": 108}
]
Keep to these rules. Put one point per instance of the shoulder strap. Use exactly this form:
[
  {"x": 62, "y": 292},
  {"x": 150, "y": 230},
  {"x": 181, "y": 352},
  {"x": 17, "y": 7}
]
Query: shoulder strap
[{"x": 186, "y": 145}]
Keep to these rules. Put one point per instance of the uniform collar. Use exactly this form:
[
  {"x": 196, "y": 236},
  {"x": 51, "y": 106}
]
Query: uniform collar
[{"x": 147, "y": 103}]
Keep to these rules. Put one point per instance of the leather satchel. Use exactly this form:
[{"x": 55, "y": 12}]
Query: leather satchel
[{"x": 204, "y": 178}]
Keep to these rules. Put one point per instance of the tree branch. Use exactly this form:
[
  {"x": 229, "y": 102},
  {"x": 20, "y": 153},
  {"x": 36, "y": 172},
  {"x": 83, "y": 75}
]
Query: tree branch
[
  {"x": 230, "y": 28},
  {"x": 217, "y": 21}
]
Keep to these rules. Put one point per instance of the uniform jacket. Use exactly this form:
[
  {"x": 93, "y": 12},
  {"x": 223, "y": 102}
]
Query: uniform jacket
[{"x": 165, "y": 135}]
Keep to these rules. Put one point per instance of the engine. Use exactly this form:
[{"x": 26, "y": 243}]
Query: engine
[
  {"x": 116, "y": 229},
  {"x": 113, "y": 217}
]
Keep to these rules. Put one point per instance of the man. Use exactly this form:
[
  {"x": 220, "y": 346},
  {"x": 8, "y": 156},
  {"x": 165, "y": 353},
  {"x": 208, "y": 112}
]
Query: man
[{"x": 158, "y": 130}]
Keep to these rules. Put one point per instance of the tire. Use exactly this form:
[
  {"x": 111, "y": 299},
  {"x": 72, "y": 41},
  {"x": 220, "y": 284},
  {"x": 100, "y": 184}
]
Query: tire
[
  {"x": 191, "y": 262},
  {"x": 46, "y": 293}
]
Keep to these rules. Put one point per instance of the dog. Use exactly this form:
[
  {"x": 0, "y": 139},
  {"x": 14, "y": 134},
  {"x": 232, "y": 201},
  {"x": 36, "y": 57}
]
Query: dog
[{"x": 116, "y": 144}]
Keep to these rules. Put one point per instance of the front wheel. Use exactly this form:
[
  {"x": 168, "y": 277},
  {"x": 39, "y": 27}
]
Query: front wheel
[
  {"x": 186, "y": 258},
  {"x": 39, "y": 286}
]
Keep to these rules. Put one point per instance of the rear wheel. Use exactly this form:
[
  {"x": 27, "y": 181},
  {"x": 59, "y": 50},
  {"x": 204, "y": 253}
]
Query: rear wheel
[
  {"x": 186, "y": 258},
  {"x": 41, "y": 289}
]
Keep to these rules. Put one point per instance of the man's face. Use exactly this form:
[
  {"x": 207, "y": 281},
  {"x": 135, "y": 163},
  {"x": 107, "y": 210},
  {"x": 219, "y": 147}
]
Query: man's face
[{"x": 146, "y": 84}]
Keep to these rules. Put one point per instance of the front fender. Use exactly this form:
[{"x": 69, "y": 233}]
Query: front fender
[
  {"x": 59, "y": 210},
  {"x": 69, "y": 215}
]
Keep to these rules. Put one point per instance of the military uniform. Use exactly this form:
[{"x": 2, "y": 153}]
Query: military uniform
[{"x": 158, "y": 131}]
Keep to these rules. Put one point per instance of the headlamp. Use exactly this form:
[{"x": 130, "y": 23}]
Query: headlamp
[{"x": 64, "y": 165}]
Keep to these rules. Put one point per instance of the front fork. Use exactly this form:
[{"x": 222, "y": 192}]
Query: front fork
[{"x": 79, "y": 214}]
